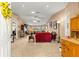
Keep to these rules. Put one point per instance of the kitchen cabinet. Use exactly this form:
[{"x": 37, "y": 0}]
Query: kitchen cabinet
[
  {"x": 74, "y": 23},
  {"x": 77, "y": 23},
  {"x": 69, "y": 47}
]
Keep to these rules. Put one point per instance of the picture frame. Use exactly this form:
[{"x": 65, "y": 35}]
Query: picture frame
[
  {"x": 50, "y": 24},
  {"x": 54, "y": 24}
]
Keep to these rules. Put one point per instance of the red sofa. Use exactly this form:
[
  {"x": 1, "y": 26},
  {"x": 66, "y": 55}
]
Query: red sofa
[{"x": 43, "y": 37}]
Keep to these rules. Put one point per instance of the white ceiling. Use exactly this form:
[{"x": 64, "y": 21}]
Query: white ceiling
[{"x": 43, "y": 11}]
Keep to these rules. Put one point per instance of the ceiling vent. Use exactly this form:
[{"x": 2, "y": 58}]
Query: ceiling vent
[{"x": 37, "y": 12}]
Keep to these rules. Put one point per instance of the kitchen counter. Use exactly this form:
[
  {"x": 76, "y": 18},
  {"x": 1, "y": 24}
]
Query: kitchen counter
[
  {"x": 73, "y": 40},
  {"x": 69, "y": 47}
]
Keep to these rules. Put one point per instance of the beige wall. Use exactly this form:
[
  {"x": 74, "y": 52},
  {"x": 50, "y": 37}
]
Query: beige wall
[
  {"x": 59, "y": 16},
  {"x": 18, "y": 22},
  {"x": 71, "y": 10}
]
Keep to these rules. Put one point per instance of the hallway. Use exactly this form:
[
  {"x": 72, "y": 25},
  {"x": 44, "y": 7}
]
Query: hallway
[{"x": 21, "y": 48}]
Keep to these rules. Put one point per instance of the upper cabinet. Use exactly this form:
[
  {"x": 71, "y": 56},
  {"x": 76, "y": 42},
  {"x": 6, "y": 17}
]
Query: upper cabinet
[
  {"x": 74, "y": 24},
  {"x": 77, "y": 23}
]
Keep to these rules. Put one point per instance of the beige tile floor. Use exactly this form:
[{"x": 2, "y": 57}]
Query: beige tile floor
[{"x": 22, "y": 48}]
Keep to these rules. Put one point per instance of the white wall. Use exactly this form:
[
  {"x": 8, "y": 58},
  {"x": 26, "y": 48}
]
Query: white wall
[
  {"x": 14, "y": 24},
  {"x": 5, "y": 34},
  {"x": 18, "y": 22},
  {"x": 67, "y": 26}
]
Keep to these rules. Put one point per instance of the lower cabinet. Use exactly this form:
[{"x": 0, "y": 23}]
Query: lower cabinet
[
  {"x": 76, "y": 50},
  {"x": 69, "y": 49}
]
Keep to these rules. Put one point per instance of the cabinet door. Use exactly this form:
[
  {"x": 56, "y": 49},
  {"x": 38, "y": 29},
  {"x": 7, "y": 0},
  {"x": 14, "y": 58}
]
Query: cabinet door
[
  {"x": 65, "y": 48},
  {"x": 76, "y": 50},
  {"x": 77, "y": 23},
  {"x": 71, "y": 49},
  {"x": 73, "y": 24}
]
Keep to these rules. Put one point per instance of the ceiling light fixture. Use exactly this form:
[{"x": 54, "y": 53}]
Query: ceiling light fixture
[
  {"x": 34, "y": 21},
  {"x": 47, "y": 5},
  {"x": 22, "y": 5},
  {"x": 36, "y": 18},
  {"x": 33, "y": 12}
]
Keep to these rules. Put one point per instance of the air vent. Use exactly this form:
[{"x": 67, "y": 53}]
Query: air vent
[
  {"x": 35, "y": 16},
  {"x": 37, "y": 12},
  {"x": 38, "y": 21}
]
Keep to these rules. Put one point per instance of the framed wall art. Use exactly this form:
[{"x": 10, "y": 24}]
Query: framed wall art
[
  {"x": 50, "y": 24},
  {"x": 55, "y": 24}
]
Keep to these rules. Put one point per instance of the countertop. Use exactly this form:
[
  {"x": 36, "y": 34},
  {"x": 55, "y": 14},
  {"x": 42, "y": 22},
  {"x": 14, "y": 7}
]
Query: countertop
[{"x": 73, "y": 40}]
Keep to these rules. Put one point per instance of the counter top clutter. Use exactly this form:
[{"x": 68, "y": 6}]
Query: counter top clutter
[{"x": 69, "y": 47}]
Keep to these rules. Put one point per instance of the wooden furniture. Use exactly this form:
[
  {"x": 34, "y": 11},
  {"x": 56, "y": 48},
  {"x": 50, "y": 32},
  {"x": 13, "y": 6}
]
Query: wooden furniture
[
  {"x": 31, "y": 37},
  {"x": 77, "y": 23},
  {"x": 74, "y": 23},
  {"x": 74, "y": 27},
  {"x": 70, "y": 47}
]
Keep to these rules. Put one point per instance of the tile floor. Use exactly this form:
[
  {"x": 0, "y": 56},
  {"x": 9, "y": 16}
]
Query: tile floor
[{"x": 22, "y": 48}]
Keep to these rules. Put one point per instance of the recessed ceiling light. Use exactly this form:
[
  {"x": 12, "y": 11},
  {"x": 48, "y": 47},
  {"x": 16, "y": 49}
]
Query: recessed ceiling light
[
  {"x": 34, "y": 21},
  {"x": 47, "y": 5},
  {"x": 33, "y": 12},
  {"x": 22, "y": 5},
  {"x": 36, "y": 18}
]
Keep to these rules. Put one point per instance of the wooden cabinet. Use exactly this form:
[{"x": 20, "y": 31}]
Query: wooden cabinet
[
  {"x": 74, "y": 24},
  {"x": 77, "y": 23},
  {"x": 66, "y": 49},
  {"x": 76, "y": 51},
  {"x": 69, "y": 48}
]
